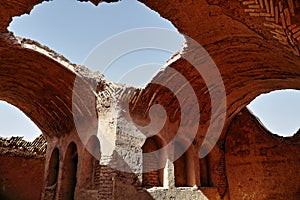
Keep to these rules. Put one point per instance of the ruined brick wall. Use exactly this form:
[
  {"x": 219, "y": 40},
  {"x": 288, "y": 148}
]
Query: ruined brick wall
[
  {"x": 113, "y": 184},
  {"x": 21, "y": 176},
  {"x": 105, "y": 182},
  {"x": 37, "y": 146},
  {"x": 258, "y": 165},
  {"x": 102, "y": 184},
  {"x": 22, "y": 166},
  {"x": 261, "y": 165}
]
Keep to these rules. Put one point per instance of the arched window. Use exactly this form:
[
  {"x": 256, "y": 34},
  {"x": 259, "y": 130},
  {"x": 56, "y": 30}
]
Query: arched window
[
  {"x": 204, "y": 172},
  {"x": 180, "y": 171},
  {"x": 184, "y": 166},
  {"x": 90, "y": 162},
  {"x": 69, "y": 173},
  {"x": 53, "y": 168},
  {"x": 152, "y": 178}
]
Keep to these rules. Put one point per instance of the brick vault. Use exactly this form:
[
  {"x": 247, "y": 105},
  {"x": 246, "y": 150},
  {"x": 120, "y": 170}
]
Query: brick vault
[{"x": 255, "y": 45}]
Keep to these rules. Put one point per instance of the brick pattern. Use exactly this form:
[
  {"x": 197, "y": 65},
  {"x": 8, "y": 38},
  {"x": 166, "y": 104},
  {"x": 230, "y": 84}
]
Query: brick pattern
[
  {"x": 151, "y": 179},
  {"x": 261, "y": 165},
  {"x": 96, "y": 176},
  {"x": 103, "y": 178},
  {"x": 108, "y": 181},
  {"x": 105, "y": 96},
  {"x": 221, "y": 180},
  {"x": 280, "y": 18}
]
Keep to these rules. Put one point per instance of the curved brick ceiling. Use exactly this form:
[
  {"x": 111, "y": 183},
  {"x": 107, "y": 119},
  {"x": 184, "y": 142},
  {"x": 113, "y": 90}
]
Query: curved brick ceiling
[
  {"x": 238, "y": 35},
  {"x": 241, "y": 42},
  {"x": 41, "y": 87},
  {"x": 40, "y": 84}
]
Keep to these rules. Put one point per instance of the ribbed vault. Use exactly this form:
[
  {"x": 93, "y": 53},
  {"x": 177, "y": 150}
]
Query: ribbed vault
[{"x": 250, "y": 60}]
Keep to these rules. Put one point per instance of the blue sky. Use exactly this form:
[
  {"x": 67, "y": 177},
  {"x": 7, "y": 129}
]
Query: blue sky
[{"x": 75, "y": 29}]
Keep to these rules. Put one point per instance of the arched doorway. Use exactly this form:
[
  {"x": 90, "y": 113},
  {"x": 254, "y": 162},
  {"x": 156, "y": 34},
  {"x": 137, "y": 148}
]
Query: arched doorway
[
  {"x": 204, "y": 172},
  {"x": 69, "y": 173},
  {"x": 180, "y": 169},
  {"x": 152, "y": 178},
  {"x": 184, "y": 166},
  {"x": 90, "y": 162},
  {"x": 53, "y": 168}
]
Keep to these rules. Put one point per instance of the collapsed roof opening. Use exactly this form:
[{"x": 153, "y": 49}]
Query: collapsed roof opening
[
  {"x": 77, "y": 35},
  {"x": 14, "y": 122},
  {"x": 278, "y": 111},
  {"x": 85, "y": 26}
]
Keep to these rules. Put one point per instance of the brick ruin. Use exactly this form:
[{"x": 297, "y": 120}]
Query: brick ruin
[
  {"x": 255, "y": 45},
  {"x": 18, "y": 158}
]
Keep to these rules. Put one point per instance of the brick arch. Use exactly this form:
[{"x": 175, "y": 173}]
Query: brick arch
[
  {"x": 205, "y": 171},
  {"x": 241, "y": 50},
  {"x": 250, "y": 60},
  {"x": 186, "y": 166},
  {"x": 154, "y": 178},
  {"x": 180, "y": 167},
  {"x": 232, "y": 46},
  {"x": 42, "y": 88},
  {"x": 53, "y": 168},
  {"x": 90, "y": 162},
  {"x": 69, "y": 173},
  {"x": 52, "y": 172},
  {"x": 37, "y": 80}
]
